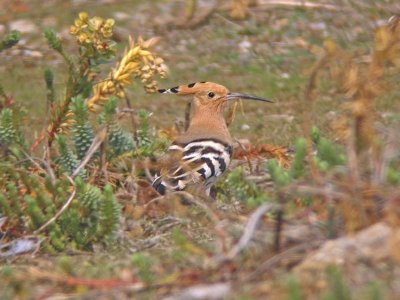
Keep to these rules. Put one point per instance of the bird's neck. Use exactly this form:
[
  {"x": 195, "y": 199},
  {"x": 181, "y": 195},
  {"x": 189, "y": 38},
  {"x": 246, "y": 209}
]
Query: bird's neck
[{"x": 207, "y": 124}]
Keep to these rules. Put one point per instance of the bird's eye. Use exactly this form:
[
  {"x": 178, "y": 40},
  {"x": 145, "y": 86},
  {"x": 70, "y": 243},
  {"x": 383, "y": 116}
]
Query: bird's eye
[{"x": 210, "y": 95}]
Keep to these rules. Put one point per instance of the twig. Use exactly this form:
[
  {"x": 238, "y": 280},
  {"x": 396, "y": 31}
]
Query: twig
[
  {"x": 133, "y": 120},
  {"x": 270, "y": 262},
  {"x": 102, "y": 283},
  {"x": 147, "y": 170},
  {"x": 246, "y": 156},
  {"x": 65, "y": 206},
  {"x": 102, "y": 163},
  {"x": 298, "y": 3},
  {"x": 278, "y": 225},
  {"x": 229, "y": 22},
  {"x": 318, "y": 191},
  {"x": 33, "y": 160},
  {"x": 250, "y": 229},
  {"x": 153, "y": 200}
]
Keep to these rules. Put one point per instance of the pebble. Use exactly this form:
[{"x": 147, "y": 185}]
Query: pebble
[
  {"x": 32, "y": 53},
  {"x": 285, "y": 75},
  {"x": 245, "y": 127},
  {"x": 24, "y": 26},
  {"x": 121, "y": 16},
  {"x": 317, "y": 26}
]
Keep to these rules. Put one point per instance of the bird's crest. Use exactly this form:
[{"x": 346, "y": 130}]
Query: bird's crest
[{"x": 194, "y": 88}]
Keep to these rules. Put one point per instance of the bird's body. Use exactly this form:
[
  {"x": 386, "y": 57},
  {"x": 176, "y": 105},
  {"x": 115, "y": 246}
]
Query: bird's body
[{"x": 204, "y": 151}]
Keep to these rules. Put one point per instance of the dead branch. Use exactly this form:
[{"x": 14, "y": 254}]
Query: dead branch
[
  {"x": 47, "y": 168},
  {"x": 297, "y": 3},
  {"x": 249, "y": 230},
  {"x": 317, "y": 191},
  {"x": 296, "y": 253}
]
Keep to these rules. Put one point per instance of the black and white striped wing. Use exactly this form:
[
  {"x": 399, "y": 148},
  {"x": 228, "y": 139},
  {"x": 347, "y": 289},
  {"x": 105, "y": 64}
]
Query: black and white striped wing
[{"x": 201, "y": 161}]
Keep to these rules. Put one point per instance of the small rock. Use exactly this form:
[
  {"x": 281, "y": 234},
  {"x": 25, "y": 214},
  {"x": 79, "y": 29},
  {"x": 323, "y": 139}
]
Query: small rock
[
  {"x": 285, "y": 75},
  {"x": 281, "y": 117},
  {"x": 317, "y": 26},
  {"x": 245, "y": 45},
  {"x": 381, "y": 22},
  {"x": 24, "y": 26},
  {"x": 32, "y": 53},
  {"x": 363, "y": 257},
  {"x": 245, "y": 127},
  {"x": 121, "y": 16},
  {"x": 202, "y": 292}
]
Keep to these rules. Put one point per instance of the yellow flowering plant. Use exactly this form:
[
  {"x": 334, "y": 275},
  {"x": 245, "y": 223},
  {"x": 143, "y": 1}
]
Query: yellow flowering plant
[
  {"x": 137, "y": 62},
  {"x": 93, "y": 35}
]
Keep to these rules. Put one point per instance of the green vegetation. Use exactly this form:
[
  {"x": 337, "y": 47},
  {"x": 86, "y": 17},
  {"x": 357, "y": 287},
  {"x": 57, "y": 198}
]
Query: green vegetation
[{"x": 75, "y": 183}]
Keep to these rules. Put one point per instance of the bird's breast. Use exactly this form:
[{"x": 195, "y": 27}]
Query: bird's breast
[
  {"x": 201, "y": 160},
  {"x": 212, "y": 155}
]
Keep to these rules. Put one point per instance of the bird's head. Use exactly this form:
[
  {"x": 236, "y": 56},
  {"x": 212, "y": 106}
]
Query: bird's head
[{"x": 208, "y": 94}]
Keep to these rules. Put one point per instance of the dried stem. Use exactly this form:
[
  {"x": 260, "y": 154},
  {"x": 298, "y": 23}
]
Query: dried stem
[{"x": 249, "y": 230}]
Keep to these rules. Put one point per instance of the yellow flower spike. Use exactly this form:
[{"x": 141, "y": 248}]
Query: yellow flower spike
[
  {"x": 144, "y": 53},
  {"x": 140, "y": 41},
  {"x": 83, "y": 16},
  {"x": 124, "y": 60},
  {"x": 149, "y": 43},
  {"x": 114, "y": 75},
  {"x": 145, "y": 68},
  {"x": 126, "y": 81},
  {"x": 107, "y": 34},
  {"x": 111, "y": 90},
  {"x": 135, "y": 51},
  {"x": 73, "y": 30},
  {"x": 158, "y": 61},
  {"x": 137, "y": 62},
  {"x": 121, "y": 94},
  {"x": 146, "y": 76},
  {"x": 78, "y": 23},
  {"x": 123, "y": 76},
  {"x": 110, "y": 22},
  {"x": 95, "y": 23},
  {"x": 145, "y": 60},
  {"x": 132, "y": 66},
  {"x": 82, "y": 38}
]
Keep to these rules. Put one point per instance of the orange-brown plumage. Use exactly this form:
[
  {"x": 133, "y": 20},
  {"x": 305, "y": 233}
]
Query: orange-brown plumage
[{"x": 204, "y": 151}]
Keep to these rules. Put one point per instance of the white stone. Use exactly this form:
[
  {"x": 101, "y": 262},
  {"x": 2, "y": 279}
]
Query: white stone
[
  {"x": 245, "y": 127},
  {"x": 24, "y": 26}
]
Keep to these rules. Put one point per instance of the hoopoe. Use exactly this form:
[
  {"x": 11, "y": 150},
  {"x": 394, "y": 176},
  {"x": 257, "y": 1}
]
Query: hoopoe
[{"x": 204, "y": 151}]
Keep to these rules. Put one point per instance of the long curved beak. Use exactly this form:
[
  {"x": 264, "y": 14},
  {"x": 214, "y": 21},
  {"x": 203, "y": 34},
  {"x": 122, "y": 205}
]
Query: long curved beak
[{"x": 231, "y": 96}]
